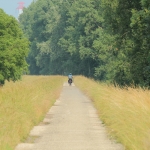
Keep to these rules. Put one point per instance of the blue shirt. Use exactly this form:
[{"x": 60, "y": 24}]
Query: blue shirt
[{"x": 70, "y": 76}]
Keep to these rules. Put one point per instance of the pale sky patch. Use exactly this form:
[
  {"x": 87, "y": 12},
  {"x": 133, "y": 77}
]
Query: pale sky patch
[{"x": 10, "y": 6}]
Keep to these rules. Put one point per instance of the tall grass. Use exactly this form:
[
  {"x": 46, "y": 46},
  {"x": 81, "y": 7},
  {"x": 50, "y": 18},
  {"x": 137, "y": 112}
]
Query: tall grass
[
  {"x": 125, "y": 112},
  {"x": 23, "y": 104}
]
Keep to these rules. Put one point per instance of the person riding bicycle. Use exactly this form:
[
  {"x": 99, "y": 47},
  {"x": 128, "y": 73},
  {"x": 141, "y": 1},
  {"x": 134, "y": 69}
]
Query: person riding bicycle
[{"x": 70, "y": 77}]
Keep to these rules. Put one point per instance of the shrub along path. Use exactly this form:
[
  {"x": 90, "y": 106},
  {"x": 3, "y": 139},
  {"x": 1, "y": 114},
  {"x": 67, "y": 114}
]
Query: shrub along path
[{"x": 71, "y": 124}]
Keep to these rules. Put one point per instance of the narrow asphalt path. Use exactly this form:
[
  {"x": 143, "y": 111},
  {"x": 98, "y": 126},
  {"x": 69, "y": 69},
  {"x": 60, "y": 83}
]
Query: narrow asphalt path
[{"x": 71, "y": 124}]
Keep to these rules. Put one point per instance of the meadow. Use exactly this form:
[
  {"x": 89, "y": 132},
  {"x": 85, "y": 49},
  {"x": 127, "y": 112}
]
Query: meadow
[
  {"x": 124, "y": 112},
  {"x": 24, "y": 104}
]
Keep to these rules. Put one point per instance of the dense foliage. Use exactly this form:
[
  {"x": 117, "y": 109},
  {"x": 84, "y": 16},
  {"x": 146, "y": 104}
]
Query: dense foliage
[
  {"x": 13, "y": 49},
  {"x": 107, "y": 40}
]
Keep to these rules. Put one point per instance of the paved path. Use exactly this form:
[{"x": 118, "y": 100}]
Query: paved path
[{"x": 71, "y": 124}]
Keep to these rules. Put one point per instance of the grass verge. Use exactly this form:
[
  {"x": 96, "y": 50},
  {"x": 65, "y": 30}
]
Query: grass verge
[
  {"x": 23, "y": 104},
  {"x": 125, "y": 112}
]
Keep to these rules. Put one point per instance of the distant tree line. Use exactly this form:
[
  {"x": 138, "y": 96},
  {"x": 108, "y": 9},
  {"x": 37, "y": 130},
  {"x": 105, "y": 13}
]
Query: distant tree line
[
  {"x": 103, "y": 39},
  {"x": 14, "y": 48}
]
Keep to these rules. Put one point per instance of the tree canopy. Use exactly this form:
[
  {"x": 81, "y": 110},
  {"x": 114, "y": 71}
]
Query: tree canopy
[
  {"x": 103, "y": 39},
  {"x": 14, "y": 49}
]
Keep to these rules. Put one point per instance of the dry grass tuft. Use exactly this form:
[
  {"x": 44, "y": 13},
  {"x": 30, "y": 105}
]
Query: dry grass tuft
[
  {"x": 23, "y": 104},
  {"x": 125, "y": 112}
]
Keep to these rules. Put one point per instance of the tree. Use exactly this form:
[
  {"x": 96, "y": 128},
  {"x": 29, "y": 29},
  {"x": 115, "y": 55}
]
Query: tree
[
  {"x": 83, "y": 21},
  {"x": 140, "y": 55},
  {"x": 103, "y": 39},
  {"x": 14, "y": 49}
]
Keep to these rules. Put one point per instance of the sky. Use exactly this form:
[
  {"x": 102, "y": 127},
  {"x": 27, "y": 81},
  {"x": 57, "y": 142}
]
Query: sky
[{"x": 9, "y": 6}]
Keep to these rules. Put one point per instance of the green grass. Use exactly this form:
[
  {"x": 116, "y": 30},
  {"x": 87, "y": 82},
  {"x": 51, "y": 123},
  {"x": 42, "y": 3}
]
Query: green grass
[
  {"x": 125, "y": 112},
  {"x": 23, "y": 104}
]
